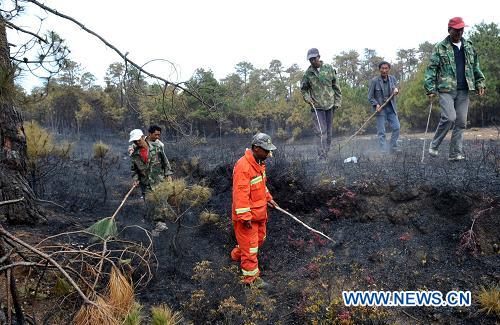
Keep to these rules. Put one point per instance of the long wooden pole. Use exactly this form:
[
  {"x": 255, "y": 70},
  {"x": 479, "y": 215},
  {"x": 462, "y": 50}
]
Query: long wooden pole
[{"x": 303, "y": 223}]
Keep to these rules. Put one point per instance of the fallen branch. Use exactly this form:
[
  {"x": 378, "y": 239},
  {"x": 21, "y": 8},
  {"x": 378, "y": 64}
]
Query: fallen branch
[
  {"x": 12, "y": 201},
  {"x": 50, "y": 202},
  {"x": 468, "y": 238},
  {"x": 52, "y": 261},
  {"x": 106, "y": 227}
]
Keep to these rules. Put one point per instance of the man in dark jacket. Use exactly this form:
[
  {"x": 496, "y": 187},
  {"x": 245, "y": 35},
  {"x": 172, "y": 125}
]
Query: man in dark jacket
[{"x": 381, "y": 88}]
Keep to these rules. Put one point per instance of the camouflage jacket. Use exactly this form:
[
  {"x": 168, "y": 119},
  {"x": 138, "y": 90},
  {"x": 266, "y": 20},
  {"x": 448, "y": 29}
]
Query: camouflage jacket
[
  {"x": 155, "y": 170},
  {"x": 321, "y": 87},
  {"x": 440, "y": 75}
]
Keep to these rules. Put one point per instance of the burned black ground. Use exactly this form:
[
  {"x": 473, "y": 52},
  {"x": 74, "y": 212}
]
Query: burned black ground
[{"x": 397, "y": 225}]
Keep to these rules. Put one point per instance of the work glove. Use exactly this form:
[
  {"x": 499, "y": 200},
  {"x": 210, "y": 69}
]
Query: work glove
[{"x": 272, "y": 204}]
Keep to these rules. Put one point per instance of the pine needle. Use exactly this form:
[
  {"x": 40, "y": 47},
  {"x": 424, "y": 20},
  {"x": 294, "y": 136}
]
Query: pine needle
[
  {"x": 163, "y": 315},
  {"x": 134, "y": 317},
  {"x": 121, "y": 292},
  {"x": 101, "y": 313}
]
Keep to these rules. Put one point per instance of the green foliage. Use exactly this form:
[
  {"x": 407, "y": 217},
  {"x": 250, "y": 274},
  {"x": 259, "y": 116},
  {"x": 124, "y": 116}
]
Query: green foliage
[
  {"x": 203, "y": 271},
  {"x": 62, "y": 287},
  {"x": 486, "y": 39},
  {"x": 207, "y": 217},
  {"x": 172, "y": 198},
  {"x": 281, "y": 134},
  {"x": 104, "y": 228},
  {"x": 232, "y": 311},
  {"x": 163, "y": 315},
  {"x": 296, "y": 132},
  {"x": 249, "y": 98},
  {"x": 45, "y": 157},
  {"x": 413, "y": 104},
  {"x": 104, "y": 161},
  {"x": 134, "y": 317},
  {"x": 354, "y": 111},
  {"x": 40, "y": 144},
  {"x": 489, "y": 299},
  {"x": 100, "y": 150}
]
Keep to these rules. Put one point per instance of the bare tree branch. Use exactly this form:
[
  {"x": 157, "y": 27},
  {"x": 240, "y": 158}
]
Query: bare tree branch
[
  {"x": 122, "y": 55},
  {"x": 11, "y": 25}
]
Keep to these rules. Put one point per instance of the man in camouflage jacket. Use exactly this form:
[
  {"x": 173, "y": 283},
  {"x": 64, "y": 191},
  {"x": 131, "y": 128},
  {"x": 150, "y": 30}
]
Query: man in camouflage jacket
[
  {"x": 320, "y": 89},
  {"x": 148, "y": 162},
  {"x": 452, "y": 72},
  {"x": 159, "y": 166}
]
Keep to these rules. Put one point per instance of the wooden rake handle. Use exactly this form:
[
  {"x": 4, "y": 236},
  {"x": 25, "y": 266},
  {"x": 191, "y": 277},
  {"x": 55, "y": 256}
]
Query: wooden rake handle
[
  {"x": 123, "y": 201},
  {"x": 368, "y": 120},
  {"x": 302, "y": 223}
]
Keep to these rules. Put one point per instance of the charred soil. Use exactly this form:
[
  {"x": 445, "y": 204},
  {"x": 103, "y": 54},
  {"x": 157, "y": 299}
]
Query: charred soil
[{"x": 397, "y": 224}]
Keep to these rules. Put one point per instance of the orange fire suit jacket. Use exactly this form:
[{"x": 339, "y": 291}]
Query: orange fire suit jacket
[{"x": 250, "y": 194}]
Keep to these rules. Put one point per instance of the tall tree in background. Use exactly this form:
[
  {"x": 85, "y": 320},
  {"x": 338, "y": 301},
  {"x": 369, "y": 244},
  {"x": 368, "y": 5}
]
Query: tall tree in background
[
  {"x": 486, "y": 40},
  {"x": 243, "y": 69},
  {"x": 425, "y": 51},
  {"x": 369, "y": 65},
  {"x": 293, "y": 80},
  {"x": 406, "y": 64},
  {"x": 347, "y": 65}
]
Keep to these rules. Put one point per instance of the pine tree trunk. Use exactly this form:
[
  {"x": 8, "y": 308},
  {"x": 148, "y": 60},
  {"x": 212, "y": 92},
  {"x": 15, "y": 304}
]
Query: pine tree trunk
[{"x": 13, "y": 183}]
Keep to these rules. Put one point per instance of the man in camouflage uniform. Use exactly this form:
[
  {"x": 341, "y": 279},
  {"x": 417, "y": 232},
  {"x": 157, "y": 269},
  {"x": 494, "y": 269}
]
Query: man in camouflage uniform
[
  {"x": 149, "y": 165},
  {"x": 452, "y": 72},
  {"x": 320, "y": 89},
  {"x": 159, "y": 165}
]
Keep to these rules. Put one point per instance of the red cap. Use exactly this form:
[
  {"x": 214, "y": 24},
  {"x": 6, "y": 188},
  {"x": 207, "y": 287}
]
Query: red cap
[{"x": 456, "y": 23}]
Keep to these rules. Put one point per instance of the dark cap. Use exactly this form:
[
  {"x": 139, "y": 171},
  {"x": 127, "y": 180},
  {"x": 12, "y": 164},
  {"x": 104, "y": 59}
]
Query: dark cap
[
  {"x": 312, "y": 53},
  {"x": 264, "y": 141}
]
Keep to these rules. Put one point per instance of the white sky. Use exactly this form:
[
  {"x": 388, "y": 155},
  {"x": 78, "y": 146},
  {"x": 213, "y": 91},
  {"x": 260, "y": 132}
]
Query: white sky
[{"x": 220, "y": 33}]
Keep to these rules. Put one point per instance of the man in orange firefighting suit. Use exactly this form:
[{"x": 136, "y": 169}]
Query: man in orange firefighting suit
[{"x": 249, "y": 210}]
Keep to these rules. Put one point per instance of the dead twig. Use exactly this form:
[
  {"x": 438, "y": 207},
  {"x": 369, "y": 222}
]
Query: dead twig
[
  {"x": 12, "y": 201},
  {"x": 411, "y": 316},
  {"x": 468, "y": 238},
  {"x": 52, "y": 261},
  {"x": 50, "y": 202}
]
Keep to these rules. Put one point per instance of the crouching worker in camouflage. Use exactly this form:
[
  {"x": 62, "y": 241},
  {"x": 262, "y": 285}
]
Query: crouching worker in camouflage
[
  {"x": 161, "y": 163},
  {"x": 148, "y": 171},
  {"x": 148, "y": 162},
  {"x": 453, "y": 72},
  {"x": 140, "y": 161},
  {"x": 321, "y": 91}
]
